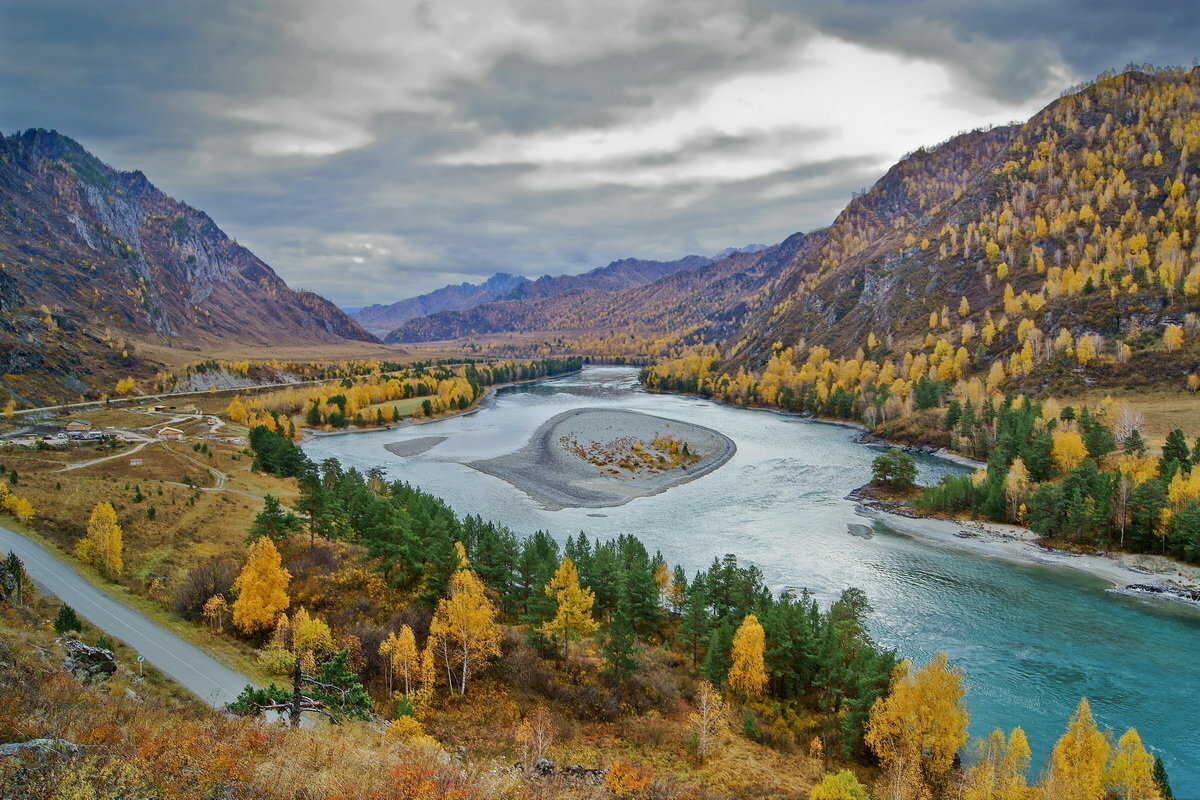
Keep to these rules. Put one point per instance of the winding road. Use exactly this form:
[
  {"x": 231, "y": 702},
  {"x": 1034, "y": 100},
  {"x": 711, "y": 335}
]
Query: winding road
[{"x": 186, "y": 664}]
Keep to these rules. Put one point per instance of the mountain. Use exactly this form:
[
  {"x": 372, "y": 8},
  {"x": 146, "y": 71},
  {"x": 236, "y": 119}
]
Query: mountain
[
  {"x": 617, "y": 276},
  {"x": 696, "y": 294},
  {"x": 380, "y": 319},
  {"x": 92, "y": 255},
  {"x": 1082, "y": 223}
]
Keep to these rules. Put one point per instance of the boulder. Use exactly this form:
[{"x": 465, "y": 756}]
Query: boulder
[
  {"x": 85, "y": 662},
  {"x": 39, "y": 747}
]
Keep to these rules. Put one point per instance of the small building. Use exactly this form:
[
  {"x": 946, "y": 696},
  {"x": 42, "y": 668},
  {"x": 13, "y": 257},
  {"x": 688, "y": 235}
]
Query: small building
[
  {"x": 171, "y": 434},
  {"x": 78, "y": 426},
  {"x": 135, "y": 462}
]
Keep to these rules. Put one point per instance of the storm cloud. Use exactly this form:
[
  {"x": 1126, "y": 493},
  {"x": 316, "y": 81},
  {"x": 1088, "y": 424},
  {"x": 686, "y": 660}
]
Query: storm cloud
[{"x": 375, "y": 149}]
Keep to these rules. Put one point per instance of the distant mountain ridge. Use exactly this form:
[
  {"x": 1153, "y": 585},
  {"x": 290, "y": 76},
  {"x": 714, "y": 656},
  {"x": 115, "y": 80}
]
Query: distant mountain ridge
[
  {"x": 694, "y": 293},
  {"x": 617, "y": 276},
  {"x": 381, "y": 319},
  {"x": 90, "y": 253}
]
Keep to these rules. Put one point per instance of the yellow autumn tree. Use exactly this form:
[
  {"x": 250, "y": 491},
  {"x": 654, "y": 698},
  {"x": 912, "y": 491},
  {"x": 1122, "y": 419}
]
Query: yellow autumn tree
[
  {"x": 1016, "y": 485},
  {"x": 310, "y": 635},
  {"x": 999, "y": 771},
  {"x": 236, "y": 410},
  {"x": 1131, "y": 773},
  {"x": 918, "y": 727},
  {"x": 464, "y": 628},
  {"x": 573, "y": 606},
  {"x": 262, "y": 588},
  {"x": 10, "y": 408},
  {"x": 405, "y": 660},
  {"x": 1172, "y": 338},
  {"x": 1076, "y": 768},
  {"x": 20, "y": 507},
  {"x": 125, "y": 386},
  {"x": 102, "y": 545},
  {"x": 748, "y": 673},
  {"x": 1068, "y": 449}
]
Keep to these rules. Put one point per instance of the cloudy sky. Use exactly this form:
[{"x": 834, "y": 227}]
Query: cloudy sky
[{"x": 376, "y": 149}]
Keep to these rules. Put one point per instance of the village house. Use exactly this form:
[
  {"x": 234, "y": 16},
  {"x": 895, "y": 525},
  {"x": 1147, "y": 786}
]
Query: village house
[
  {"x": 171, "y": 434},
  {"x": 78, "y": 426}
]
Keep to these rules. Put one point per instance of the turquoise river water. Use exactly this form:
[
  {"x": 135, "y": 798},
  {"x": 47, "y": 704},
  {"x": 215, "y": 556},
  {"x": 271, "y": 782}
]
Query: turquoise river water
[{"x": 1032, "y": 638}]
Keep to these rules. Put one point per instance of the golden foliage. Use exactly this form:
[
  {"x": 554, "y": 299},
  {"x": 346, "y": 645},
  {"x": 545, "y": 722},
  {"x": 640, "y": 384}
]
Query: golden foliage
[
  {"x": 918, "y": 727},
  {"x": 748, "y": 673},
  {"x": 102, "y": 546},
  {"x": 262, "y": 587}
]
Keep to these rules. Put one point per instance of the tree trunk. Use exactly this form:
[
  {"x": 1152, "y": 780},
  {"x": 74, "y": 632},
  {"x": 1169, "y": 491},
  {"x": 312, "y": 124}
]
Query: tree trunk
[{"x": 297, "y": 695}]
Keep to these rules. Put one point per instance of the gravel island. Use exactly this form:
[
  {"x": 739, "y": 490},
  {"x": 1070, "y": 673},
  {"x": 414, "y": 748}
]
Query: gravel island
[{"x": 598, "y": 458}]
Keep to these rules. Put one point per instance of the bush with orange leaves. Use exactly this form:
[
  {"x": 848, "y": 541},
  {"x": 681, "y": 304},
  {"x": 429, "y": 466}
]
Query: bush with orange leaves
[{"x": 628, "y": 781}]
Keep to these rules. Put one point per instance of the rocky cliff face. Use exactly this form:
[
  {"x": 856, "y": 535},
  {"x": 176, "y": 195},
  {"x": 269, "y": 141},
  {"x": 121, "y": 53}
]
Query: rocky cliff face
[{"x": 88, "y": 253}]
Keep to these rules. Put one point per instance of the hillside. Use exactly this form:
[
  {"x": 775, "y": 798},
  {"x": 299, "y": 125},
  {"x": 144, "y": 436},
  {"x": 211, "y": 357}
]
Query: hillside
[
  {"x": 1081, "y": 220},
  {"x": 93, "y": 257},
  {"x": 694, "y": 295}
]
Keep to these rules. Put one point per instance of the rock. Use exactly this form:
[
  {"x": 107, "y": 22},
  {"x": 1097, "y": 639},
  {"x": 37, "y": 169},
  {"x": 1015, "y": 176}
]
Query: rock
[
  {"x": 8, "y": 584},
  {"x": 543, "y": 767},
  {"x": 85, "y": 662},
  {"x": 132, "y": 695},
  {"x": 39, "y": 747}
]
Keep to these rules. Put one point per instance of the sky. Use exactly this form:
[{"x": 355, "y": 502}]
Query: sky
[{"x": 372, "y": 150}]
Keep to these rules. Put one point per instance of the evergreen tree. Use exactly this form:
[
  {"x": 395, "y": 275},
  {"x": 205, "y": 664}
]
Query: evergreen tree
[
  {"x": 1160, "y": 779},
  {"x": 67, "y": 621},
  {"x": 1176, "y": 450},
  {"x": 274, "y": 521},
  {"x": 16, "y": 571},
  {"x": 717, "y": 661},
  {"x": 619, "y": 646}
]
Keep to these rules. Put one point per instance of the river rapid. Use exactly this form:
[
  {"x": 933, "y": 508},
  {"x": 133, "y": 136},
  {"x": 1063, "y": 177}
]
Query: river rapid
[{"x": 1033, "y": 639}]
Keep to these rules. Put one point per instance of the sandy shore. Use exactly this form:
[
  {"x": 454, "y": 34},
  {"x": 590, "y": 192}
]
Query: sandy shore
[
  {"x": 548, "y": 471},
  {"x": 414, "y": 447},
  {"x": 1127, "y": 572}
]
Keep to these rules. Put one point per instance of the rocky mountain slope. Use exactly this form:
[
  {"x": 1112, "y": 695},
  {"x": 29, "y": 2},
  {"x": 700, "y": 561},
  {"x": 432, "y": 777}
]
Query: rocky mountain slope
[
  {"x": 91, "y": 256},
  {"x": 1019, "y": 241}
]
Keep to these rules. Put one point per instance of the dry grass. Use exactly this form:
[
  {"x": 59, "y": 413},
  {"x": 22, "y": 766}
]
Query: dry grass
[
  {"x": 1164, "y": 408},
  {"x": 178, "y": 358}
]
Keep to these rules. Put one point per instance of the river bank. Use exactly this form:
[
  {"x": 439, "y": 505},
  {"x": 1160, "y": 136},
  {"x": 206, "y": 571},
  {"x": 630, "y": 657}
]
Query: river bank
[
  {"x": 485, "y": 400},
  {"x": 1129, "y": 573}
]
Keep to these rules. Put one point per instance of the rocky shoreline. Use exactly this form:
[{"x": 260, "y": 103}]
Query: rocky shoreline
[{"x": 1129, "y": 573}]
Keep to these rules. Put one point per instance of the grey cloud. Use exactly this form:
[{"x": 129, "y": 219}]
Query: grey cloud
[{"x": 182, "y": 91}]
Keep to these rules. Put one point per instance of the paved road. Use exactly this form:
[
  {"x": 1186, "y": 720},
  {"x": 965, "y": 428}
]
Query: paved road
[{"x": 186, "y": 664}]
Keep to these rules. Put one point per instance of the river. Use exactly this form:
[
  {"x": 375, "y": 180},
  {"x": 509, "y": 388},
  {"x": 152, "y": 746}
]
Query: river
[{"x": 1033, "y": 639}]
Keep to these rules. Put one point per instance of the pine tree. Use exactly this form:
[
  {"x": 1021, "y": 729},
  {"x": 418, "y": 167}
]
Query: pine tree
[
  {"x": 274, "y": 521},
  {"x": 262, "y": 588},
  {"x": 747, "y": 674},
  {"x": 1175, "y": 450},
  {"x": 619, "y": 647},
  {"x": 67, "y": 621},
  {"x": 1161, "y": 781},
  {"x": 573, "y": 614},
  {"x": 16, "y": 572}
]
